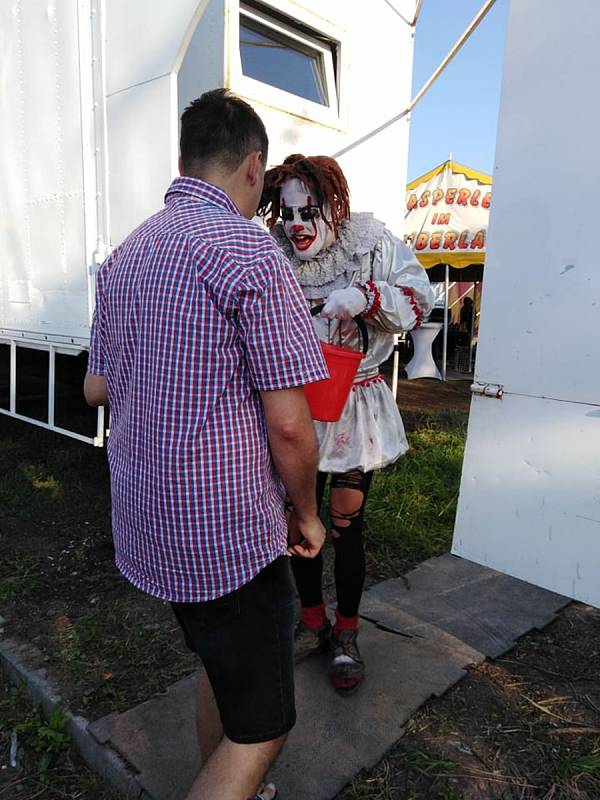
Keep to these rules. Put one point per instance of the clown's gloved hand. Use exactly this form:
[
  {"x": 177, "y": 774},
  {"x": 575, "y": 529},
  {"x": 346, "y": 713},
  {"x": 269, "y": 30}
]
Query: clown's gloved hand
[{"x": 344, "y": 303}]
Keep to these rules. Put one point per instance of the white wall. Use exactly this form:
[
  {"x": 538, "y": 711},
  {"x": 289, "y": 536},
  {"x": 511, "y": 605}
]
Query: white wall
[
  {"x": 375, "y": 83},
  {"x": 146, "y": 43},
  {"x": 530, "y": 499},
  {"x": 158, "y": 56},
  {"x": 45, "y": 249},
  {"x": 203, "y": 66}
]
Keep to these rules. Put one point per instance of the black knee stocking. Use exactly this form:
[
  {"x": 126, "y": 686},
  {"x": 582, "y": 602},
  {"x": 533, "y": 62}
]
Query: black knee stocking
[
  {"x": 348, "y": 545},
  {"x": 308, "y": 572},
  {"x": 348, "y": 542}
]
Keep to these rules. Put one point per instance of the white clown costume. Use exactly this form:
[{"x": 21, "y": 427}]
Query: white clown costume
[{"x": 370, "y": 433}]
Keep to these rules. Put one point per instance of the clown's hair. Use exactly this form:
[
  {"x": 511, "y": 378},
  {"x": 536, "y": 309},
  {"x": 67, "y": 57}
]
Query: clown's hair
[{"x": 322, "y": 174}]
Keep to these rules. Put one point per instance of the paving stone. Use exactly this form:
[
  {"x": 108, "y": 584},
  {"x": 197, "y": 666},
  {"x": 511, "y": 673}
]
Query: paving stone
[
  {"x": 334, "y": 737},
  {"x": 482, "y": 607},
  {"x": 422, "y": 631},
  {"x": 158, "y": 740}
]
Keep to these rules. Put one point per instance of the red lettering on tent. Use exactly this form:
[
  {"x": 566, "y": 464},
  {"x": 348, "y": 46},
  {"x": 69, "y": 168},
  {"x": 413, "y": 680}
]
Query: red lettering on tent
[
  {"x": 487, "y": 200},
  {"x": 463, "y": 241},
  {"x": 424, "y": 199},
  {"x": 475, "y": 197},
  {"x": 437, "y": 196},
  {"x": 422, "y": 240},
  {"x": 436, "y": 240},
  {"x": 450, "y": 240},
  {"x": 443, "y": 219},
  {"x": 463, "y": 196},
  {"x": 450, "y": 195},
  {"x": 412, "y": 202},
  {"x": 478, "y": 242}
]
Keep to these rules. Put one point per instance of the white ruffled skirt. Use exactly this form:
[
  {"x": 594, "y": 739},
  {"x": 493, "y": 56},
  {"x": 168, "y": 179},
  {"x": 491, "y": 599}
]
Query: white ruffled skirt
[{"x": 369, "y": 435}]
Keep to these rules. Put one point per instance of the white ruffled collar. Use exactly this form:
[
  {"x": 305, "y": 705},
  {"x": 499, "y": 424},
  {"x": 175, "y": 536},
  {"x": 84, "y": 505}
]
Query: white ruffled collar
[{"x": 357, "y": 236}]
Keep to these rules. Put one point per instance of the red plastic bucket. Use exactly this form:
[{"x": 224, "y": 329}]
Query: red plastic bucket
[{"x": 326, "y": 399}]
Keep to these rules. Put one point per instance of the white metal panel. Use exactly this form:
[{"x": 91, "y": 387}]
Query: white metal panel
[
  {"x": 530, "y": 495},
  {"x": 212, "y": 59},
  {"x": 143, "y": 152},
  {"x": 541, "y": 304},
  {"x": 203, "y": 65},
  {"x": 44, "y": 247},
  {"x": 529, "y": 501},
  {"x": 145, "y": 38},
  {"x": 376, "y": 50}
]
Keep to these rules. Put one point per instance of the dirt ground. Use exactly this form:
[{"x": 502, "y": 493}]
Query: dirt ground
[
  {"x": 433, "y": 395},
  {"x": 525, "y": 726},
  {"x": 59, "y": 588}
]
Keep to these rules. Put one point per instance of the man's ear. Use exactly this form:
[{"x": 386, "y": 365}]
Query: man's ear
[
  {"x": 255, "y": 167},
  {"x": 180, "y": 166}
]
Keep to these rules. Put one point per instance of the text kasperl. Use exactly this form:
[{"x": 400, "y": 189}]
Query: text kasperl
[
  {"x": 448, "y": 239},
  {"x": 459, "y": 197}
]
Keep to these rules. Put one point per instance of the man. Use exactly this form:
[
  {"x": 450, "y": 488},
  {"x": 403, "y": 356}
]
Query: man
[{"x": 201, "y": 343}]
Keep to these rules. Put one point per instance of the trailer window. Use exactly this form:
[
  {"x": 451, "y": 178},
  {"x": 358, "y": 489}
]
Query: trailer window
[{"x": 276, "y": 51}]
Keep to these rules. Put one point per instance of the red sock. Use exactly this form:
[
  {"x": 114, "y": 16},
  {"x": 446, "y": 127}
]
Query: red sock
[
  {"x": 314, "y": 616},
  {"x": 345, "y": 623}
]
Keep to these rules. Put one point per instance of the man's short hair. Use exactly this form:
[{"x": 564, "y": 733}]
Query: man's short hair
[{"x": 220, "y": 129}]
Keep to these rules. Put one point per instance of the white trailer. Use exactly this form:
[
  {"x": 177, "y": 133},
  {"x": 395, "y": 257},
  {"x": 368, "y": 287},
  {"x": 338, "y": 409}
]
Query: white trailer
[
  {"x": 529, "y": 501},
  {"x": 91, "y": 96}
]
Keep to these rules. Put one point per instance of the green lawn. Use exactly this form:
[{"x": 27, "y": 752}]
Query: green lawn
[{"x": 412, "y": 504}]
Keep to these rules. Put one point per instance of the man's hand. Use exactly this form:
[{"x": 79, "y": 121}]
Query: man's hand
[
  {"x": 305, "y": 537},
  {"x": 95, "y": 390}
]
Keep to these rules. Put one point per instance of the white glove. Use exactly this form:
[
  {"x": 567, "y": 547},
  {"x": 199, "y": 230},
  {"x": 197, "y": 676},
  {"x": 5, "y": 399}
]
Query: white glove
[{"x": 344, "y": 303}]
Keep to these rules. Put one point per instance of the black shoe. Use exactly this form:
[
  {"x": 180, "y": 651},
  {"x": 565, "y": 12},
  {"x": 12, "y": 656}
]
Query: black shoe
[
  {"x": 347, "y": 667},
  {"x": 308, "y": 641}
]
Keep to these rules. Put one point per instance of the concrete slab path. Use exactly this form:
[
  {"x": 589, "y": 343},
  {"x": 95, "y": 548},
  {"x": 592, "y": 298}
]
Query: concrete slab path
[{"x": 418, "y": 635}]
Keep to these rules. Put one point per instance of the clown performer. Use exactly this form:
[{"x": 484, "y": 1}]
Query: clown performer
[{"x": 352, "y": 264}]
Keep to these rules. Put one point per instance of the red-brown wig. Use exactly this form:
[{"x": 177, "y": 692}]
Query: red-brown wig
[{"x": 321, "y": 174}]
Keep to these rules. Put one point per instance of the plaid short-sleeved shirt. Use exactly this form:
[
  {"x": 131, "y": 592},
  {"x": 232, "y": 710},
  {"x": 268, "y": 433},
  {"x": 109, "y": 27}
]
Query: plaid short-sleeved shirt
[{"x": 196, "y": 313}]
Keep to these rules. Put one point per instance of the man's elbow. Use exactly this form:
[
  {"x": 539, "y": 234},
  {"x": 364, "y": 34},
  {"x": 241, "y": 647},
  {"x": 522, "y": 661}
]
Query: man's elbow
[{"x": 95, "y": 390}]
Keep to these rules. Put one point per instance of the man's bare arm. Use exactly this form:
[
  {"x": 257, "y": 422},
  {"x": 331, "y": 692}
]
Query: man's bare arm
[
  {"x": 294, "y": 449},
  {"x": 95, "y": 390}
]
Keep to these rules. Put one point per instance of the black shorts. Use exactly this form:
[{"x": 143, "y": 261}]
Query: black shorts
[{"x": 246, "y": 642}]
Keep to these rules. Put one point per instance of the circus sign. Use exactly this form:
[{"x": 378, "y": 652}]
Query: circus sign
[{"x": 447, "y": 213}]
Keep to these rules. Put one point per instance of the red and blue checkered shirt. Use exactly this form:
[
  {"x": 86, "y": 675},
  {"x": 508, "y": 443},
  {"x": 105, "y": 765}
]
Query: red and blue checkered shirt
[{"x": 196, "y": 313}]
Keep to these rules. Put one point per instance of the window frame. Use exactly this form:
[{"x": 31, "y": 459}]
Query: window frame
[{"x": 282, "y": 24}]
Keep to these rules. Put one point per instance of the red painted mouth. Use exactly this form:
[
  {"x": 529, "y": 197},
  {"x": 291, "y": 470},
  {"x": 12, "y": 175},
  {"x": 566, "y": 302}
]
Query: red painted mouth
[{"x": 302, "y": 242}]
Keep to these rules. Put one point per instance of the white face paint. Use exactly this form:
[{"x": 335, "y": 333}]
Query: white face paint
[{"x": 302, "y": 221}]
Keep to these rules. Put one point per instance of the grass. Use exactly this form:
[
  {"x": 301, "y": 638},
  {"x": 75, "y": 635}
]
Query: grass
[
  {"x": 19, "y": 575},
  {"x": 46, "y": 768},
  {"x": 56, "y": 554},
  {"x": 413, "y": 766},
  {"x": 58, "y": 582},
  {"x": 412, "y": 504},
  {"x": 573, "y": 766},
  {"x": 47, "y": 738}
]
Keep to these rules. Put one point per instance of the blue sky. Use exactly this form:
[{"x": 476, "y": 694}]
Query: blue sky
[{"x": 459, "y": 114}]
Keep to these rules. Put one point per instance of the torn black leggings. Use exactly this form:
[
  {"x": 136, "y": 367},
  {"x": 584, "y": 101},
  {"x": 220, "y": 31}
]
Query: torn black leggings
[{"x": 348, "y": 545}]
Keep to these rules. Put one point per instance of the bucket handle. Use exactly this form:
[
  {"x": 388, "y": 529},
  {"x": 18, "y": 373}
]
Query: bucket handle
[{"x": 359, "y": 322}]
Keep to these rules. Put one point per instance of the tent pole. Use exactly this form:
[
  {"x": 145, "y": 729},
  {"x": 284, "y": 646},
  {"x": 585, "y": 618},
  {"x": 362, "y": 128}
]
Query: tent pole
[
  {"x": 396, "y": 366},
  {"x": 446, "y": 292},
  {"x": 472, "y": 331}
]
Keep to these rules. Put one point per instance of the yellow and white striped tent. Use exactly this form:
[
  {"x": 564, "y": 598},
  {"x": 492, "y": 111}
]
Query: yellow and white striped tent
[{"x": 447, "y": 214}]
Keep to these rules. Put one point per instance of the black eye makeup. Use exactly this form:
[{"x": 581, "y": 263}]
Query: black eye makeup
[
  {"x": 306, "y": 213},
  {"x": 309, "y": 212}
]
